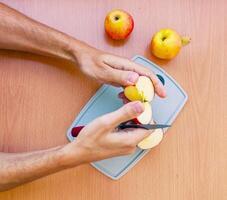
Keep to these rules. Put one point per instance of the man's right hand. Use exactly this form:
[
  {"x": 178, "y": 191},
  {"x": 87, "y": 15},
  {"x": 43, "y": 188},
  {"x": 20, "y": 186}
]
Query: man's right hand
[{"x": 99, "y": 139}]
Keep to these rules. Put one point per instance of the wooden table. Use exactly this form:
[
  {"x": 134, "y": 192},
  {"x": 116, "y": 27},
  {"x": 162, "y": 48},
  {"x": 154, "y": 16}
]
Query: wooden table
[{"x": 39, "y": 98}]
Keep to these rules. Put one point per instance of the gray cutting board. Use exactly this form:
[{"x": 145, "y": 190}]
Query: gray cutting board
[{"x": 105, "y": 100}]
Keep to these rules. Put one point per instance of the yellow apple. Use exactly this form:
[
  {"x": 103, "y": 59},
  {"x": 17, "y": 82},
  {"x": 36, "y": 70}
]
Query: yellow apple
[
  {"x": 118, "y": 24},
  {"x": 143, "y": 90},
  {"x": 167, "y": 43}
]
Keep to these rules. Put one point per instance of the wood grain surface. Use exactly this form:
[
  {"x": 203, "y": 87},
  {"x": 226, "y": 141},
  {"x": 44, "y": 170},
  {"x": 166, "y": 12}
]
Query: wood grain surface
[{"x": 39, "y": 98}]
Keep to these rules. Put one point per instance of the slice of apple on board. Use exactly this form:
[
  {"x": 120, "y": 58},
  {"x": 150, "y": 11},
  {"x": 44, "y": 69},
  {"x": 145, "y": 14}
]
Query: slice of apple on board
[{"x": 152, "y": 140}]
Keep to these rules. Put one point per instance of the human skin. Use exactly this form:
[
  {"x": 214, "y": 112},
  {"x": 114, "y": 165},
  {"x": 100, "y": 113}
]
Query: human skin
[{"x": 99, "y": 139}]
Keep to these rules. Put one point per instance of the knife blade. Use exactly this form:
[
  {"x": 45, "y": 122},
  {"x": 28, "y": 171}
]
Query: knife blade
[{"x": 144, "y": 126}]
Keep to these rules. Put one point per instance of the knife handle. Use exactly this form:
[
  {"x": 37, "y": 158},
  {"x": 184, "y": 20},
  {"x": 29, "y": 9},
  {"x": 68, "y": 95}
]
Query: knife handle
[
  {"x": 76, "y": 130},
  {"x": 124, "y": 126}
]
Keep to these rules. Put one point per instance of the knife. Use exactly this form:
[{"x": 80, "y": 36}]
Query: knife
[{"x": 76, "y": 130}]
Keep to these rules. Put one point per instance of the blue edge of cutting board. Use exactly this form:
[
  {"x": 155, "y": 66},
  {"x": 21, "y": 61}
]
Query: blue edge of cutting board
[{"x": 105, "y": 100}]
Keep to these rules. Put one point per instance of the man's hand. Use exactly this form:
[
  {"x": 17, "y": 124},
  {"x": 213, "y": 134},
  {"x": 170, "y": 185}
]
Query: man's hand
[
  {"x": 100, "y": 140},
  {"x": 113, "y": 69},
  {"x": 18, "y": 32}
]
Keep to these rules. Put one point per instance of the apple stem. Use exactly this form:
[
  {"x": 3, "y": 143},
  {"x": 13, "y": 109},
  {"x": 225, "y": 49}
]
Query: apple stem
[{"x": 185, "y": 40}]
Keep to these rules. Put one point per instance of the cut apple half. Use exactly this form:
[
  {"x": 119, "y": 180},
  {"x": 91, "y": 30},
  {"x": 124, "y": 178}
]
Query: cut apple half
[
  {"x": 152, "y": 140},
  {"x": 143, "y": 90},
  {"x": 146, "y": 116}
]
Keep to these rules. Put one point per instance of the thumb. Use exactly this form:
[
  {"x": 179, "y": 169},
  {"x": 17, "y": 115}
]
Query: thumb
[
  {"x": 125, "y": 113},
  {"x": 123, "y": 78}
]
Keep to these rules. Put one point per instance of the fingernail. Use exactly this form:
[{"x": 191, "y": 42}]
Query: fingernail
[
  {"x": 132, "y": 77},
  {"x": 138, "y": 107}
]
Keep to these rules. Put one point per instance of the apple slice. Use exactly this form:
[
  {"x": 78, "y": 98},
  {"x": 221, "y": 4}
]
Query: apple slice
[
  {"x": 145, "y": 87},
  {"x": 152, "y": 140},
  {"x": 142, "y": 91},
  {"x": 146, "y": 116}
]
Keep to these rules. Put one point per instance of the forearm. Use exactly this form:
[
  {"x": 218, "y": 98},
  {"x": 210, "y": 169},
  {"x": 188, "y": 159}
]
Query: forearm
[
  {"x": 19, "y": 32},
  {"x": 19, "y": 168}
]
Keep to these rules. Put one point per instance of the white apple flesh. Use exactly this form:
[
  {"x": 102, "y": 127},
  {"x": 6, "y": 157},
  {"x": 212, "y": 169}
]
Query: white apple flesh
[
  {"x": 146, "y": 116},
  {"x": 152, "y": 140},
  {"x": 145, "y": 88}
]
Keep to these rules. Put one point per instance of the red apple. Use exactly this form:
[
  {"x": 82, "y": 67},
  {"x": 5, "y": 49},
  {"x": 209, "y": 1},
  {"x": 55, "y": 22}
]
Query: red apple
[{"x": 118, "y": 24}]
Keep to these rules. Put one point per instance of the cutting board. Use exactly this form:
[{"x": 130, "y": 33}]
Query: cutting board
[{"x": 106, "y": 100}]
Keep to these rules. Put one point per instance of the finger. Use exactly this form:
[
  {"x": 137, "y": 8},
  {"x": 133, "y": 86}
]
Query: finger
[
  {"x": 123, "y": 78},
  {"x": 125, "y": 64},
  {"x": 125, "y": 113},
  {"x": 114, "y": 84},
  {"x": 133, "y": 137}
]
